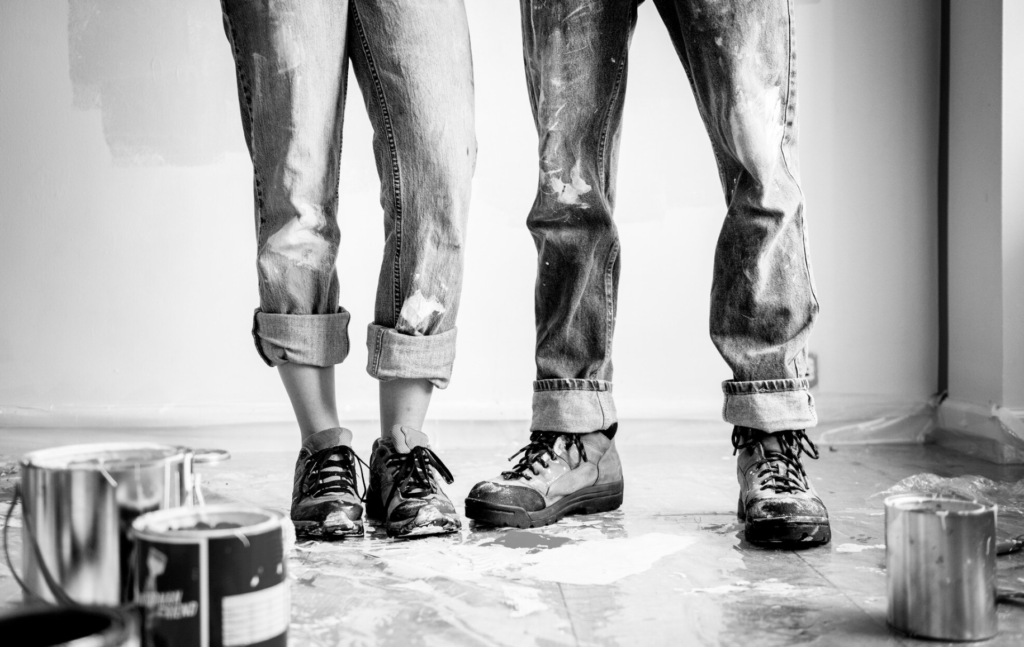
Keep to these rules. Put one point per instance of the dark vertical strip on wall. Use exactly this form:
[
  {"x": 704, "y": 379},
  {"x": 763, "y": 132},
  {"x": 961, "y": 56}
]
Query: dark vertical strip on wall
[{"x": 943, "y": 210}]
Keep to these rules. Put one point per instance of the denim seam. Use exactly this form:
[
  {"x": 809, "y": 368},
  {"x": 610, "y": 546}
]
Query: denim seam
[
  {"x": 246, "y": 87},
  {"x": 787, "y": 390},
  {"x": 578, "y": 384},
  {"x": 378, "y": 351},
  {"x": 601, "y": 149},
  {"x": 609, "y": 298},
  {"x": 395, "y": 170},
  {"x": 791, "y": 71}
]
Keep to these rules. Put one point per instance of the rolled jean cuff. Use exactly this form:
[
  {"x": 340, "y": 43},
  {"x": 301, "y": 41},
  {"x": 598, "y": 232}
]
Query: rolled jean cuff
[
  {"x": 769, "y": 405},
  {"x": 573, "y": 406},
  {"x": 393, "y": 355},
  {"x": 312, "y": 340}
]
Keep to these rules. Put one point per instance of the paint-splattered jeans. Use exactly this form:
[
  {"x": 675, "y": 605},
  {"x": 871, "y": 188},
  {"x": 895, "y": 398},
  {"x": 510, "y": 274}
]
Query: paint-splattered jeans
[
  {"x": 412, "y": 62},
  {"x": 739, "y": 58}
]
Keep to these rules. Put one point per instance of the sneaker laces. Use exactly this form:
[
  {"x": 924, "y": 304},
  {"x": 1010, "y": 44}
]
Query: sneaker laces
[
  {"x": 413, "y": 476},
  {"x": 542, "y": 443},
  {"x": 332, "y": 471},
  {"x": 793, "y": 443}
]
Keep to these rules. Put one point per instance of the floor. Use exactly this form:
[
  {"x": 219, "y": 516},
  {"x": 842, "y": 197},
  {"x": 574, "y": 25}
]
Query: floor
[{"x": 670, "y": 568}]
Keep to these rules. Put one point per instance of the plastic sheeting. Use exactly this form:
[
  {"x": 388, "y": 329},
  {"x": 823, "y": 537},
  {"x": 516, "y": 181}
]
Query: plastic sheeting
[{"x": 1008, "y": 496}]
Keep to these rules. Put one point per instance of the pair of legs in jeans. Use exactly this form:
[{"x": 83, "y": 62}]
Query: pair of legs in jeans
[{"x": 412, "y": 62}]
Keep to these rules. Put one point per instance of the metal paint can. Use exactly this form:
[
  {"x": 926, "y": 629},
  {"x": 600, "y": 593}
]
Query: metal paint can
[
  {"x": 79, "y": 502},
  {"x": 940, "y": 559},
  {"x": 214, "y": 576},
  {"x": 74, "y": 627}
]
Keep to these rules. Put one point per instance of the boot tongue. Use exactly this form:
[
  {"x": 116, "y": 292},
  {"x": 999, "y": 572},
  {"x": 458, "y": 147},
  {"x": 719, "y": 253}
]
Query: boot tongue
[
  {"x": 405, "y": 438},
  {"x": 327, "y": 438}
]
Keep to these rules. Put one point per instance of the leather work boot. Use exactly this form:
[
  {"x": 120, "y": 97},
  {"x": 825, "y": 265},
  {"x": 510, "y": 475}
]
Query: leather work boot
[
  {"x": 559, "y": 474},
  {"x": 777, "y": 501},
  {"x": 404, "y": 492},
  {"x": 325, "y": 502}
]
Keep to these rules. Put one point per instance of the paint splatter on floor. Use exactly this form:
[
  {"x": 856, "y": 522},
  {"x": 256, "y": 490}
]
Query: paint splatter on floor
[{"x": 669, "y": 568}]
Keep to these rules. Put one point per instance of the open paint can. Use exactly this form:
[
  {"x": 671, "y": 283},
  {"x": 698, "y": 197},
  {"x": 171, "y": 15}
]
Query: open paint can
[
  {"x": 73, "y": 627},
  {"x": 212, "y": 576},
  {"x": 79, "y": 502},
  {"x": 940, "y": 559}
]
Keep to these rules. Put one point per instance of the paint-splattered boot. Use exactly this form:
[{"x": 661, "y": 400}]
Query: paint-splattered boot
[
  {"x": 404, "y": 491},
  {"x": 558, "y": 474},
  {"x": 777, "y": 501},
  {"x": 325, "y": 502}
]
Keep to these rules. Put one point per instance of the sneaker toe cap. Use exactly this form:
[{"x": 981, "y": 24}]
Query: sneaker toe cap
[{"x": 319, "y": 509}]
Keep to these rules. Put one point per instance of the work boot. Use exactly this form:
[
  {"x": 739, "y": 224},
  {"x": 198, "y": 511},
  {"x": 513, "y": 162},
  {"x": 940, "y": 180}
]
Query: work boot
[
  {"x": 777, "y": 501},
  {"x": 325, "y": 502},
  {"x": 558, "y": 474},
  {"x": 404, "y": 492}
]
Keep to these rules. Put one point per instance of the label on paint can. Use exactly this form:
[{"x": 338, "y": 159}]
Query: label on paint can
[{"x": 212, "y": 577}]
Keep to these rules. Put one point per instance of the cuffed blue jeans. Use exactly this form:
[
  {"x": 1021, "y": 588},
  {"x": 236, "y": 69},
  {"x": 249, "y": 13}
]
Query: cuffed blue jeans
[
  {"x": 740, "y": 60},
  {"x": 412, "y": 61}
]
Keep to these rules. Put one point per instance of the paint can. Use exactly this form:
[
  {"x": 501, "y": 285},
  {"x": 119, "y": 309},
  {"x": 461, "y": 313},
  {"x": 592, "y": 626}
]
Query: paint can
[
  {"x": 74, "y": 627},
  {"x": 212, "y": 576},
  {"x": 78, "y": 503},
  {"x": 940, "y": 559}
]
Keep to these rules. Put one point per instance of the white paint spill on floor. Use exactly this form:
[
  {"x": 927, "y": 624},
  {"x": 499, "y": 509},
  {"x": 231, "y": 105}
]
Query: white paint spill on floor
[
  {"x": 858, "y": 548},
  {"x": 618, "y": 558}
]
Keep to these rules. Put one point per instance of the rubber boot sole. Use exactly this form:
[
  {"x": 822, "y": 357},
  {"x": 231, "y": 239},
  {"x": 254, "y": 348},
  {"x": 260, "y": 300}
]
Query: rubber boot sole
[
  {"x": 439, "y": 526},
  {"x": 589, "y": 500},
  {"x": 792, "y": 532}
]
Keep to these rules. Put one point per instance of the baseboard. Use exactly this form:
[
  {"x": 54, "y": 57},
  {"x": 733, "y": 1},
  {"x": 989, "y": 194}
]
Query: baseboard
[{"x": 990, "y": 431}]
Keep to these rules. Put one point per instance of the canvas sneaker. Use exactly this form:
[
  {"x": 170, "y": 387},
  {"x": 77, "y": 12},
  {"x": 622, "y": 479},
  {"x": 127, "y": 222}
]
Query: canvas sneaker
[
  {"x": 404, "y": 491},
  {"x": 325, "y": 501}
]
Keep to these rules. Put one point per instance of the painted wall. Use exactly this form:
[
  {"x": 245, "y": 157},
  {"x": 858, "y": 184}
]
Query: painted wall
[
  {"x": 127, "y": 277},
  {"x": 1013, "y": 206}
]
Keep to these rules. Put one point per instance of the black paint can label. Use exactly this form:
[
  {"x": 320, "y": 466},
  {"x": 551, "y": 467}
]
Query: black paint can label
[{"x": 212, "y": 577}]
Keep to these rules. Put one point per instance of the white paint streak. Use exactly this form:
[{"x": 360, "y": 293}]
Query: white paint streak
[
  {"x": 522, "y": 600},
  {"x": 299, "y": 243},
  {"x": 418, "y": 308},
  {"x": 619, "y": 558},
  {"x": 771, "y": 586},
  {"x": 568, "y": 193},
  {"x": 858, "y": 548}
]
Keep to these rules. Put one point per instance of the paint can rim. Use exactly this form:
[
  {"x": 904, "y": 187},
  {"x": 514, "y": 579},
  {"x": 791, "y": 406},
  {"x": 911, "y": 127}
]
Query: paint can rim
[
  {"x": 162, "y": 525},
  {"x": 915, "y": 503},
  {"x": 94, "y": 457}
]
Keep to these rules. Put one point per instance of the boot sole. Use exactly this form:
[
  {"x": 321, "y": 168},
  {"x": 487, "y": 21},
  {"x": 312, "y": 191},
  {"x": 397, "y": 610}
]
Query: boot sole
[
  {"x": 803, "y": 532},
  {"x": 589, "y": 500}
]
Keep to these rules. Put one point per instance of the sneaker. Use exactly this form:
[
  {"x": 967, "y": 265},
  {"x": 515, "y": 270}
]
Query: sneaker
[
  {"x": 325, "y": 502},
  {"x": 777, "y": 501},
  {"x": 404, "y": 492},
  {"x": 558, "y": 474}
]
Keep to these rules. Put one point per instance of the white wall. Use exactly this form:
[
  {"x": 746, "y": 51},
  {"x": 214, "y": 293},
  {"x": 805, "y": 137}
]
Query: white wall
[
  {"x": 1013, "y": 206},
  {"x": 127, "y": 278}
]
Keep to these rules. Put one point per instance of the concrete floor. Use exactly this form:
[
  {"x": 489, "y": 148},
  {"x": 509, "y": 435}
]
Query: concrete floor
[{"x": 670, "y": 568}]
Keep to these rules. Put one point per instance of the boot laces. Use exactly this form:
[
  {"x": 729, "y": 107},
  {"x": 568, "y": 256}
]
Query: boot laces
[
  {"x": 793, "y": 443},
  {"x": 333, "y": 471},
  {"x": 413, "y": 476},
  {"x": 541, "y": 446}
]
